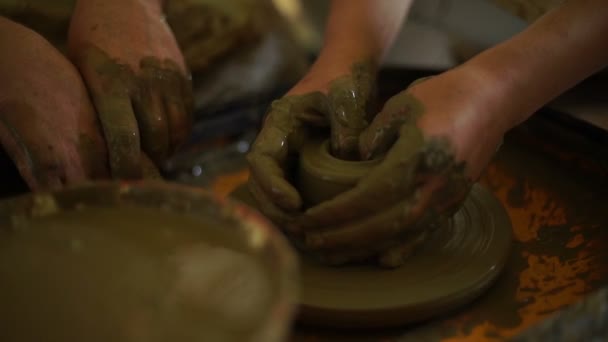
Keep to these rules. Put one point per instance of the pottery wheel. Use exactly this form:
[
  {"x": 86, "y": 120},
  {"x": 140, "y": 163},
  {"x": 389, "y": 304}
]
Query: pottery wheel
[{"x": 456, "y": 264}]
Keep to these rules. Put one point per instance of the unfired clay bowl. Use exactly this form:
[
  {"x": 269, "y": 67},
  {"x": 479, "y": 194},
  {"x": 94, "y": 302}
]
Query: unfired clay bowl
[
  {"x": 322, "y": 176},
  {"x": 141, "y": 262}
]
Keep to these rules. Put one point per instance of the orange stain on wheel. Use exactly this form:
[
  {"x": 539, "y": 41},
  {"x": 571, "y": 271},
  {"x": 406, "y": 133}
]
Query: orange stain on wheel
[{"x": 546, "y": 283}]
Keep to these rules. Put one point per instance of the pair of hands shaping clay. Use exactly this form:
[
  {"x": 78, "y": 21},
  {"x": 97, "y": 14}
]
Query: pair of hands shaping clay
[
  {"x": 408, "y": 183},
  {"x": 118, "y": 108}
]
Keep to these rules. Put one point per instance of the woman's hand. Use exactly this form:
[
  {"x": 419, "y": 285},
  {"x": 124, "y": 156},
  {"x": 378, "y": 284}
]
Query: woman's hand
[
  {"x": 47, "y": 123},
  {"x": 137, "y": 78}
]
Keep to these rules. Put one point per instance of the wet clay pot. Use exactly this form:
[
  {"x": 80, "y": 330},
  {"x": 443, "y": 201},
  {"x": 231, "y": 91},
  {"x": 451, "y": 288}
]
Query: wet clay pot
[
  {"x": 321, "y": 176},
  {"x": 144, "y": 261}
]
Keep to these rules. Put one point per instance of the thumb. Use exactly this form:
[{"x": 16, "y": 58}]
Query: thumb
[{"x": 350, "y": 99}]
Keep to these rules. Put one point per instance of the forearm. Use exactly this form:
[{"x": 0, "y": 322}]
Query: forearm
[
  {"x": 363, "y": 28},
  {"x": 357, "y": 31},
  {"x": 562, "y": 48}
]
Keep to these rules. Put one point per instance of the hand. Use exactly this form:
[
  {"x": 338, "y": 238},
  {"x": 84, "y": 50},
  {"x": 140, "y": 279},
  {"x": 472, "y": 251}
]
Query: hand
[
  {"x": 286, "y": 126},
  {"x": 437, "y": 136},
  {"x": 47, "y": 123},
  {"x": 136, "y": 75},
  {"x": 326, "y": 97}
]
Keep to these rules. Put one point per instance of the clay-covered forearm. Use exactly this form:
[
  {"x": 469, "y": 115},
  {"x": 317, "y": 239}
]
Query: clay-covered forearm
[{"x": 562, "y": 48}]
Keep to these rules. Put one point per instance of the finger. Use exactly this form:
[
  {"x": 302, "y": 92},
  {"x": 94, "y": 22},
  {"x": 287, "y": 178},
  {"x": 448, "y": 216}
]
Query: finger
[
  {"x": 122, "y": 136},
  {"x": 148, "y": 168},
  {"x": 347, "y": 117},
  {"x": 179, "y": 119},
  {"x": 151, "y": 119},
  {"x": 282, "y": 134},
  {"x": 39, "y": 169},
  {"x": 271, "y": 178},
  {"x": 386, "y": 184},
  {"x": 380, "y": 135},
  {"x": 111, "y": 85},
  {"x": 267, "y": 207},
  {"x": 397, "y": 255},
  {"x": 401, "y": 217},
  {"x": 350, "y": 100},
  {"x": 178, "y": 105},
  {"x": 309, "y": 108}
]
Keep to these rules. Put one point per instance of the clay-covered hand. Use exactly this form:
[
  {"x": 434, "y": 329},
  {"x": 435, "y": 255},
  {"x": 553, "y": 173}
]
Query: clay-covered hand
[
  {"x": 136, "y": 76},
  {"x": 287, "y": 125},
  {"x": 326, "y": 97},
  {"x": 435, "y": 138},
  {"x": 351, "y": 95},
  {"x": 48, "y": 126}
]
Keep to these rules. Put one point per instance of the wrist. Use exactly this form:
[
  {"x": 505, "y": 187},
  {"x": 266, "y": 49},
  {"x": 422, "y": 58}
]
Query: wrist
[{"x": 490, "y": 95}]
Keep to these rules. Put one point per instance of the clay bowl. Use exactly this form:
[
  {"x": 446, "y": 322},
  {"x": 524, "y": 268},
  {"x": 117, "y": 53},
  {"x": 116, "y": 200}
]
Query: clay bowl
[
  {"x": 322, "y": 176},
  {"x": 141, "y": 262}
]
